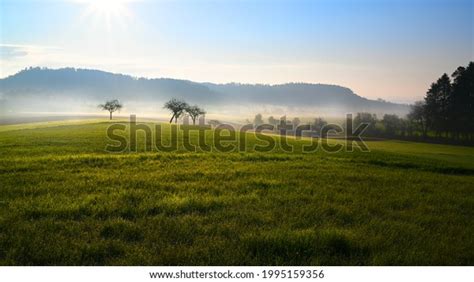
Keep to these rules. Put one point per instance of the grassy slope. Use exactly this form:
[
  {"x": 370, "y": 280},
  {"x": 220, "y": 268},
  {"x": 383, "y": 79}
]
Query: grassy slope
[{"x": 63, "y": 201}]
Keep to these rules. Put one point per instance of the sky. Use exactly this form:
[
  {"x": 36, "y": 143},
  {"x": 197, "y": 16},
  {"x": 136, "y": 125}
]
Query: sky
[{"x": 389, "y": 49}]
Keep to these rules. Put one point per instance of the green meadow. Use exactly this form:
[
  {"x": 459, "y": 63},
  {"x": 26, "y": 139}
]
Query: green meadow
[{"x": 64, "y": 200}]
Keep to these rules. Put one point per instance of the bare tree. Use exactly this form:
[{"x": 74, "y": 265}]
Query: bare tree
[
  {"x": 177, "y": 107},
  {"x": 111, "y": 106},
  {"x": 194, "y": 112}
]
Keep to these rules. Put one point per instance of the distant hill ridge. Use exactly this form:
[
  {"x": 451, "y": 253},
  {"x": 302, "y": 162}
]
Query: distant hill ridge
[{"x": 71, "y": 84}]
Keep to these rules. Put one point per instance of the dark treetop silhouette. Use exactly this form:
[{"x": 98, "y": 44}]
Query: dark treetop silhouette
[{"x": 449, "y": 106}]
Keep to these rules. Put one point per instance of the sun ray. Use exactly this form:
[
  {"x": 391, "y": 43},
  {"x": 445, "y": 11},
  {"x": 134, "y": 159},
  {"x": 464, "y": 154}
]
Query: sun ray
[{"x": 107, "y": 12}]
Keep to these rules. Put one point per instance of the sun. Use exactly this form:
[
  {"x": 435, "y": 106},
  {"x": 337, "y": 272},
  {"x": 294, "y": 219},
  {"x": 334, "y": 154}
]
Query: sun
[
  {"x": 108, "y": 7},
  {"x": 108, "y": 12}
]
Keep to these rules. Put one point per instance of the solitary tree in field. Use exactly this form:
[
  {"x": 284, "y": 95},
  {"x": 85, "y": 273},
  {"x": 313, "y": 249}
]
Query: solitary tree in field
[
  {"x": 177, "y": 108},
  {"x": 111, "y": 106},
  {"x": 194, "y": 112}
]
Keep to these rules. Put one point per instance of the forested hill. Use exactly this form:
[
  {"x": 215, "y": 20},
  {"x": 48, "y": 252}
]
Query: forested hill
[{"x": 41, "y": 89}]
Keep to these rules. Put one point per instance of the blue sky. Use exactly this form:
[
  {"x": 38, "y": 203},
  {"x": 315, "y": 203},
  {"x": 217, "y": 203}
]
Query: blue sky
[{"x": 392, "y": 49}]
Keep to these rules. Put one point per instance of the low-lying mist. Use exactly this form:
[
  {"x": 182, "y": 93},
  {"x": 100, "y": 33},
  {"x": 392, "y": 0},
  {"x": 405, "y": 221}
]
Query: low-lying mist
[{"x": 78, "y": 92}]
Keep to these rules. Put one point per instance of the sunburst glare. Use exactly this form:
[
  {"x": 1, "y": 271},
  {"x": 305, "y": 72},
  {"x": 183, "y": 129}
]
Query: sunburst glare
[{"x": 108, "y": 12}]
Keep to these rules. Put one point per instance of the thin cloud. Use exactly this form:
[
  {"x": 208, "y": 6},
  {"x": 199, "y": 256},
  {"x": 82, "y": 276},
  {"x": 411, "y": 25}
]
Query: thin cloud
[
  {"x": 14, "y": 57},
  {"x": 12, "y": 52}
]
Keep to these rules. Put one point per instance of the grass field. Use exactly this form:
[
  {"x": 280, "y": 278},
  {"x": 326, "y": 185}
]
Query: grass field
[{"x": 65, "y": 201}]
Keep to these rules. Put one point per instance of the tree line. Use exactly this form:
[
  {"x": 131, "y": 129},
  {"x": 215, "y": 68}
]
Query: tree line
[
  {"x": 448, "y": 108},
  {"x": 446, "y": 113},
  {"x": 316, "y": 124}
]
